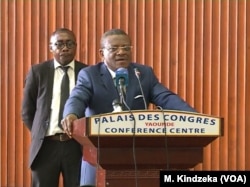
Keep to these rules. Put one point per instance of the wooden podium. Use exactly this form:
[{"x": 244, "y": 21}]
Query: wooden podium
[{"x": 132, "y": 147}]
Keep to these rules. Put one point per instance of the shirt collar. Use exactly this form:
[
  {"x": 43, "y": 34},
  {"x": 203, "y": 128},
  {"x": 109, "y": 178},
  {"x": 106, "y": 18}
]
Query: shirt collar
[
  {"x": 71, "y": 64},
  {"x": 112, "y": 73}
]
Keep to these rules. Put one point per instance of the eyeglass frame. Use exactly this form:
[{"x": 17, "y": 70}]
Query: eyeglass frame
[
  {"x": 114, "y": 49},
  {"x": 60, "y": 45}
]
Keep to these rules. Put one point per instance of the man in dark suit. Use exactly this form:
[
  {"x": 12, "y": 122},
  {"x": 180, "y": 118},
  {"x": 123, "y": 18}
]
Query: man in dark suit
[
  {"x": 52, "y": 152},
  {"x": 95, "y": 91}
]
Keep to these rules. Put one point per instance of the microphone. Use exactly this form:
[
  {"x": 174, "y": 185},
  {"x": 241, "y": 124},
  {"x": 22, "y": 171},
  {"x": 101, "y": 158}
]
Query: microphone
[
  {"x": 117, "y": 106},
  {"x": 137, "y": 74},
  {"x": 121, "y": 80}
]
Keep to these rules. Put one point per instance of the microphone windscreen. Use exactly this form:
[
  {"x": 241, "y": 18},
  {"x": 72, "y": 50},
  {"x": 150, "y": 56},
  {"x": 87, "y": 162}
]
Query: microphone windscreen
[{"x": 121, "y": 73}]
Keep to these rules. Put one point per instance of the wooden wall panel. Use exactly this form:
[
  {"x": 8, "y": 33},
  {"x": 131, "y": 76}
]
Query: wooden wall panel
[
  {"x": 190, "y": 53},
  {"x": 247, "y": 89},
  {"x": 199, "y": 49},
  {"x": 3, "y": 129},
  {"x": 232, "y": 87},
  {"x": 224, "y": 64},
  {"x": 241, "y": 82}
]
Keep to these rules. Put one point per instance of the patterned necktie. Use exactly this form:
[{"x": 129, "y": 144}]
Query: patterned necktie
[{"x": 64, "y": 92}]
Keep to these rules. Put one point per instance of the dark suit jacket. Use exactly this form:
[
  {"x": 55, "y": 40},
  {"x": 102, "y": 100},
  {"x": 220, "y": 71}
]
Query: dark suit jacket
[
  {"x": 37, "y": 99},
  {"x": 95, "y": 92}
]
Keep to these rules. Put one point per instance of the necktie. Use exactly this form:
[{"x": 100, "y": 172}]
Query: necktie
[{"x": 64, "y": 92}]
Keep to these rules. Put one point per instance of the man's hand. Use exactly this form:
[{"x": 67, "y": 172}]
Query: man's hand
[{"x": 67, "y": 124}]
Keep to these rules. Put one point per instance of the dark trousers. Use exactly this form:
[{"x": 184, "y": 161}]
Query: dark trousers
[{"x": 57, "y": 157}]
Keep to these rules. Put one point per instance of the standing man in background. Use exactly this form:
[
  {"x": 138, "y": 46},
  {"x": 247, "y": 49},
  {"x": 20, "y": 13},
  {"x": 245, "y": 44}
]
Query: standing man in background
[
  {"x": 95, "y": 91},
  {"x": 52, "y": 151}
]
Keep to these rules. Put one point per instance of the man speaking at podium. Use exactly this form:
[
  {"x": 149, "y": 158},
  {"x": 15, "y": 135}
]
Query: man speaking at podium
[
  {"x": 116, "y": 81},
  {"x": 97, "y": 88}
]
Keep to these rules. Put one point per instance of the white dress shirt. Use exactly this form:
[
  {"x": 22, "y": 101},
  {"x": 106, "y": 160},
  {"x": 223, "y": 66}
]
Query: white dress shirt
[{"x": 55, "y": 103}]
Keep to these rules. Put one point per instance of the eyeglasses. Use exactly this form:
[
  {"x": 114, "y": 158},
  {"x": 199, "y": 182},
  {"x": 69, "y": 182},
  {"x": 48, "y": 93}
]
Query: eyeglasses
[
  {"x": 115, "y": 49},
  {"x": 68, "y": 44}
]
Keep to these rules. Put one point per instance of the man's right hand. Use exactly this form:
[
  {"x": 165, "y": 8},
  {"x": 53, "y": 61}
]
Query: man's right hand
[{"x": 67, "y": 123}]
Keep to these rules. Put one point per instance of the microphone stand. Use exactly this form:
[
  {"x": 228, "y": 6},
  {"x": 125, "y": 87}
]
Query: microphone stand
[
  {"x": 137, "y": 74},
  {"x": 122, "y": 91}
]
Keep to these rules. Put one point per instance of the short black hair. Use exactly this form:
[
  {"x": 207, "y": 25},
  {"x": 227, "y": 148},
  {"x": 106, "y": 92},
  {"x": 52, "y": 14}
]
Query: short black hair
[
  {"x": 112, "y": 32},
  {"x": 64, "y": 30}
]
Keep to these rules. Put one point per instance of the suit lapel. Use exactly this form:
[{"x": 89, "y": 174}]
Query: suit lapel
[
  {"x": 78, "y": 67},
  {"x": 49, "y": 82},
  {"x": 108, "y": 82}
]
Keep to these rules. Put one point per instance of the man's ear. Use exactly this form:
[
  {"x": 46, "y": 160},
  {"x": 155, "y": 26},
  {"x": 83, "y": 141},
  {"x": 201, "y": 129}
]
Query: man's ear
[
  {"x": 101, "y": 53},
  {"x": 50, "y": 48}
]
